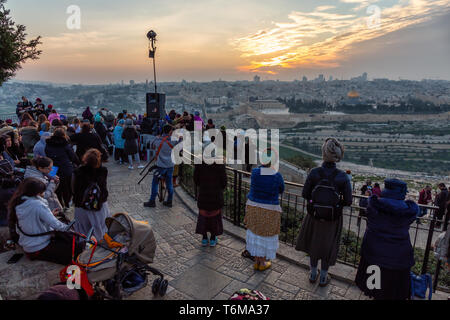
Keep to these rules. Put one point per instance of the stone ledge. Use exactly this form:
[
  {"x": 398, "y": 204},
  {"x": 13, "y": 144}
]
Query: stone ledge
[{"x": 25, "y": 279}]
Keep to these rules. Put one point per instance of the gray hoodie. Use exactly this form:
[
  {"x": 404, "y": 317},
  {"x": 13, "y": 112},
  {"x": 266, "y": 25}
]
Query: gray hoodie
[
  {"x": 34, "y": 217},
  {"x": 51, "y": 186},
  {"x": 39, "y": 148},
  {"x": 165, "y": 155}
]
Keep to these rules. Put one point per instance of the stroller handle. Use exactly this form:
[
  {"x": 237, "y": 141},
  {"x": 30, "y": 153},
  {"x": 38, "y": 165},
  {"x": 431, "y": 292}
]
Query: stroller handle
[{"x": 70, "y": 225}]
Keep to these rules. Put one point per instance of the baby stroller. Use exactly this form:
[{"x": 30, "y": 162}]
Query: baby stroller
[{"x": 117, "y": 266}]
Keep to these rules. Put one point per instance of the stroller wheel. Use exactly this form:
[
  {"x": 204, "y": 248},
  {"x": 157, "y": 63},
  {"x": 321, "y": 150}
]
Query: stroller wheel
[
  {"x": 163, "y": 287},
  {"x": 156, "y": 285}
]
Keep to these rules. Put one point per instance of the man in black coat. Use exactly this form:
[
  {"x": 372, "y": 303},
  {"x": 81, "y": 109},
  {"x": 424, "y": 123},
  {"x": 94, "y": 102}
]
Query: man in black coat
[{"x": 441, "y": 202}]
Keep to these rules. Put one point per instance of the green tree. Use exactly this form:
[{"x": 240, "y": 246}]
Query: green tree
[{"x": 14, "y": 48}]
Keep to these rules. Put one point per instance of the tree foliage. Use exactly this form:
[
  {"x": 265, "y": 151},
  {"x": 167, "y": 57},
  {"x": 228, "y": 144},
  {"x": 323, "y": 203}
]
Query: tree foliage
[{"x": 14, "y": 48}]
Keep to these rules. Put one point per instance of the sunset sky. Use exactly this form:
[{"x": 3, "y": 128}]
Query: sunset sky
[{"x": 205, "y": 40}]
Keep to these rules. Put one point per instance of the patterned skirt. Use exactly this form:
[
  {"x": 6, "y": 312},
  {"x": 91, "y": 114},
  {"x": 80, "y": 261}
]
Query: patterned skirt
[{"x": 257, "y": 216}]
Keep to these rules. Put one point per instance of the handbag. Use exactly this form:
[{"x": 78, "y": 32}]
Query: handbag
[{"x": 419, "y": 285}]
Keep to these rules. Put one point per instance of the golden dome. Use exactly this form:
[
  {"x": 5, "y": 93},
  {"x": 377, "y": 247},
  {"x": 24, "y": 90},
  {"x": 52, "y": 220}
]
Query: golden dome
[{"x": 353, "y": 94}]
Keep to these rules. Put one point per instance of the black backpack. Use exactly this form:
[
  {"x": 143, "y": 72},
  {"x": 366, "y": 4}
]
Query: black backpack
[
  {"x": 91, "y": 197},
  {"x": 325, "y": 200}
]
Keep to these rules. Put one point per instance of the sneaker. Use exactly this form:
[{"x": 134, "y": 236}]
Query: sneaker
[
  {"x": 327, "y": 281},
  {"x": 141, "y": 166},
  {"x": 314, "y": 279},
  {"x": 167, "y": 204},
  {"x": 131, "y": 167},
  {"x": 205, "y": 242},
  {"x": 213, "y": 243},
  {"x": 150, "y": 204}
]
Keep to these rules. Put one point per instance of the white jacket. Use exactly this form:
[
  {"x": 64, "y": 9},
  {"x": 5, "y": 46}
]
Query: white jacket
[{"x": 34, "y": 217}]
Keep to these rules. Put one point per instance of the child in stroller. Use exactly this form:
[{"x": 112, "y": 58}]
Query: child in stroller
[{"x": 117, "y": 266}]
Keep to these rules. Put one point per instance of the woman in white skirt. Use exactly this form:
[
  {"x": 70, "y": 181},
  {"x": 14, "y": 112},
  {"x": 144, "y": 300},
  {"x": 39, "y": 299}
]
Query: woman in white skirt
[{"x": 263, "y": 215}]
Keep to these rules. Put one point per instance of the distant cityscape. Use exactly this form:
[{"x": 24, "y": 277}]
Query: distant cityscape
[{"x": 218, "y": 96}]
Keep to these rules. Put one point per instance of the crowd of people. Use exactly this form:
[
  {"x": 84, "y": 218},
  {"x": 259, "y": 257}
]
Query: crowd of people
[{"x": 49, "y": 163}]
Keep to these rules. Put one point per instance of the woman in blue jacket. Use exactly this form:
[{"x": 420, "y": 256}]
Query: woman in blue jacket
[
  {"x": 119, "y": 142},
  {"x": 263, "y": 215},
  {"x": 387, "y": 244}
]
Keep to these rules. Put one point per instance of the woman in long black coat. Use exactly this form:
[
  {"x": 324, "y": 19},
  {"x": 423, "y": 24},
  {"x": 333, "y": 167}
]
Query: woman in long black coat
[
  {"x": 211, "y": 180},
  {"x": 60, "y": 151},
  {"x": 317, "y": 237},
  {"x": 86, "y": 140},
  {"x": 131, "y": 146}
]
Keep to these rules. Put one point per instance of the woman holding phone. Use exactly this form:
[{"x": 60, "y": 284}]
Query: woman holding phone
[{"x": 40, "y": 170}]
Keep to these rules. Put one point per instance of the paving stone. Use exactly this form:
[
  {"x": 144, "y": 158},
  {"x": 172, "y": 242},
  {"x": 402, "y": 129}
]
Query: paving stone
[
  {"x": 353, "y": 293},
  {"x": 300, "y": 279},
  {"x": 334, "y": 290},
  {"x": 222, "y": 296},
  {"x": 234, "y": 286},
  {"x": 272, "y": 277},
  {"x": 257, "y": 278},
  {"x": 275, "y": 293},
  {"x": 307, "y": 295},
  {"x": 201, "y": 282},
  {"x": 286, "y": 286}
]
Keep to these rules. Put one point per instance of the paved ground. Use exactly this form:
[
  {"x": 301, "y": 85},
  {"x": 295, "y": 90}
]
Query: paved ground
[{"x": 195, "y": 272}]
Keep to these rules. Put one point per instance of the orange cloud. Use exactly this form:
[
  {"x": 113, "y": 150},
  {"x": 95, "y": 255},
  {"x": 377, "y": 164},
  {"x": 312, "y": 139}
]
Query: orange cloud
[{"x": 320, "y": 39}]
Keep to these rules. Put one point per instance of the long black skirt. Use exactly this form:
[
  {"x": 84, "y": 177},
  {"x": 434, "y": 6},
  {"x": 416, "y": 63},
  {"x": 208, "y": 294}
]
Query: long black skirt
[
  {"x": 394, "y": 284},
  {"x": 212, "y": 225}
]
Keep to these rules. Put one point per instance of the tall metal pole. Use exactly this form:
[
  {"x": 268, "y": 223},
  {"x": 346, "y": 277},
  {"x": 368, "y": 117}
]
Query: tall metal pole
[{"x": 154, "y": 64}]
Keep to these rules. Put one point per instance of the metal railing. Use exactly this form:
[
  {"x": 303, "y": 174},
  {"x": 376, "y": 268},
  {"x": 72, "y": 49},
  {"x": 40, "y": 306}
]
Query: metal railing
[{"x": 294, "y": 209}]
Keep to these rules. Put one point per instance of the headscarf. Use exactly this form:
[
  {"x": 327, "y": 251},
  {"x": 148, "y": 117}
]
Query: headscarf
[
  {"x": 394, "y": 189},
  {"x": 98, "y": 118},
  {"x": 332, "y": 150}
]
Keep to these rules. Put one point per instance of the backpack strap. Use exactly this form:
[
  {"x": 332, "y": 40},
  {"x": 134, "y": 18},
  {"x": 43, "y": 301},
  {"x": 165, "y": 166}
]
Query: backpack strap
[
  {"x": 161, "y": 144},
  {"x": 34, "y": 235}
]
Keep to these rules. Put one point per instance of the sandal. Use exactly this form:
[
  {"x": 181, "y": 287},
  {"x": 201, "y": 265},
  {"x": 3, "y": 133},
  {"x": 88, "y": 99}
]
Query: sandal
[{"x": 247, "y": 254}]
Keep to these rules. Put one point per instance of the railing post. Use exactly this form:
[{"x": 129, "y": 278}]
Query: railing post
[
  {"x": 428, "y": 247},
  {"x": 235, "y": 197},
  {"x": 239, "y": 199}
]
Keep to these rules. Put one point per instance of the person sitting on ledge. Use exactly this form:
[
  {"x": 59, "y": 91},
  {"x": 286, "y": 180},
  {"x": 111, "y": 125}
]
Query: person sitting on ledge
[{"x": 31, "y": 222}]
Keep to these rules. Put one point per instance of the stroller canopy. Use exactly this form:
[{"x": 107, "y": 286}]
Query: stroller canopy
[{"x": 124, "y": 235}]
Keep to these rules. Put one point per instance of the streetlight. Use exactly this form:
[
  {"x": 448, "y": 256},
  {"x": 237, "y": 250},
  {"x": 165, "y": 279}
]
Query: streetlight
[{"x": 151, "y": 35}]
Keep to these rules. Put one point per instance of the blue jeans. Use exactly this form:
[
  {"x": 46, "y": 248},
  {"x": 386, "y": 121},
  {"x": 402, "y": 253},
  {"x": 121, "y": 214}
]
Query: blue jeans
[
  {"x": 167, "y": 172},
  {"x": 423, "y": 211}
]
